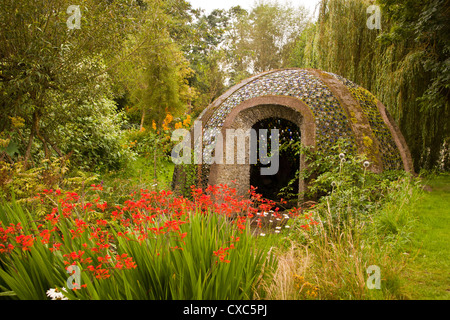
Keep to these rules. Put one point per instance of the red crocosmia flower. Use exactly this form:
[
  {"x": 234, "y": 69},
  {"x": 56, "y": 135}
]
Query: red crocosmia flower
[
  {"x": 97, "y": 187},
  {"x": 26, "y": 241},
  {"x": 102, "y": 206},
  {"x": 53, "y": 218},
  {"x": 183, "y": 235},
  {"x": 102, "y": 273},
  {"x": 55, "y": 247},
  {"x": 72, "y": 197},
  {"x": 159, "y": 230},
  {"x": 45, "y": 234},
  {"x": 6, "y": 249},
  {"x": 125, "y": 262},
  {"x": 102, "y": 222},
  {"x": 116, "y": 215}
]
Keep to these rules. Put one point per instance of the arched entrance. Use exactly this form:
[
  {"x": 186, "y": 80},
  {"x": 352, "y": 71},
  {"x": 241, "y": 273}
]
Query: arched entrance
[
  {"x": 284, "y": 183},
  {"x": 245, "y": 117}
]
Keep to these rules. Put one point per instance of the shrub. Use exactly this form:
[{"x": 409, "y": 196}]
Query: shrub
[
  {"x": 94, "y": 137},
  {"x": 361, "y": 219},
  {"x": 23, "y": 185}
]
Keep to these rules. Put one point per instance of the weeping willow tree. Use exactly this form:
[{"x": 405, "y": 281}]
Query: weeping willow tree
[{"x": 405, "y": 64}]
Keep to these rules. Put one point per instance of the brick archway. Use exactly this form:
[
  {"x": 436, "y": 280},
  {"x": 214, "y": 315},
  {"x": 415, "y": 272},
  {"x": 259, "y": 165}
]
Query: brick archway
[{"x": 244, "y": 116}]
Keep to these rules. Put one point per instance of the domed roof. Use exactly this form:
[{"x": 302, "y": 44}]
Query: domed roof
[
  {"x": 341, "y": 109},
  {"x": 324, "y": 106}
]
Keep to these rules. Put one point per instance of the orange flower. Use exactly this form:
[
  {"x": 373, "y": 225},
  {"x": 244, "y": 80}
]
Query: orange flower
[
  {"x": 102, "y": 206},
  {"x": 187, "y": 121}
]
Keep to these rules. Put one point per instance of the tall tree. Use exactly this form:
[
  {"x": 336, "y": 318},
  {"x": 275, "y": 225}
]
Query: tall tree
[
  {"x": 262, "y": 39},
  {"x": 156, "y": 75},
  {"x": 405, "y": 64},
  {"x": 54, "y": 55}
]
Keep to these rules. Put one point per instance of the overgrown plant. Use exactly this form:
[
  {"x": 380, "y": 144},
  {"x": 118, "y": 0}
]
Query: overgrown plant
[
  {"x": 154, "y": 246},
  {"x": 24, "y": 184}
]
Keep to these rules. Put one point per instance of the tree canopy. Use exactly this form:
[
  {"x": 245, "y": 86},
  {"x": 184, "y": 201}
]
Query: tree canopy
[{"x": 64, "y": 67}]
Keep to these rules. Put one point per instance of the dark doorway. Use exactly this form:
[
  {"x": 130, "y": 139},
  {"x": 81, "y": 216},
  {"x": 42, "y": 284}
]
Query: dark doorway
[{"x": 271, "y": 186}]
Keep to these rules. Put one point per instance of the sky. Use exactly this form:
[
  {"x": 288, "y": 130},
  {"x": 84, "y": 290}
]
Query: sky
[{"x": 210, "y": 5}]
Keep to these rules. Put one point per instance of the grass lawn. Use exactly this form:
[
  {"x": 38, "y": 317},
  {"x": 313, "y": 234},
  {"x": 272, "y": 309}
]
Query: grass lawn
[{"x": 429, "y": 273}]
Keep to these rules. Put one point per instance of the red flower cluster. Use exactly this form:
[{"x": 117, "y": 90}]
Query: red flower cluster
[
  {"x": 222, "y": 253},
  {"x": 75, "y": 257},
  {"x": 13, "y": 237},
  {"x": 97, "y": 227}
]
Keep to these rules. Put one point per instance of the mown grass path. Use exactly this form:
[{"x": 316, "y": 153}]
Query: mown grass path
[{"x": 428, "y": 276}]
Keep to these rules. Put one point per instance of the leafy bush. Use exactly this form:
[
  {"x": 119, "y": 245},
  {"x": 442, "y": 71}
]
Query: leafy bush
[
  {"x": 360, "y": 219},
  {"x": 94, "y": 137},
  {"x": 24, "y": 185},
  {"x": 343, "y": 183}
]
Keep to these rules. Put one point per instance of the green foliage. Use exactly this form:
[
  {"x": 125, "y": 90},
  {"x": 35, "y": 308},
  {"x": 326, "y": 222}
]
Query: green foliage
[
  {"x": 351, "y": 192},
  {"x": 317, "y": 164},
  {"x": 47, "y": 69},
  {"x": 405, "y": 64},
  {"x": 23, "y": 185},
  {"x": 363, "y": 219},
  {"x": 154, "y": 76},
  {"x": 94, "y": 137}
]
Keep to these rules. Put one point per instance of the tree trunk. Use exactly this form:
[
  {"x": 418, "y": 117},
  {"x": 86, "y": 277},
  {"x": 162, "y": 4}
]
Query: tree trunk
[
  {"x": 53, "y": 145},
  {"x": 44, "y": 143},
  {"x": 142, "y": 118}
]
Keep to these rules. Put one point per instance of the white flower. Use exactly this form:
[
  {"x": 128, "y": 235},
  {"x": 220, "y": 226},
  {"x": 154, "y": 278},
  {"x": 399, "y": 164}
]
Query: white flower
[
  {"x": 262, "y": 234},
  {"x": 286, "y": 216},
  {"x": 278, "y": 228},
  {"x": 54, "y": 294},
  {"x": 366, "y": 164},
  {"x": 265, "y": 214},
  {"x": 287, "y": 226},
  {"x": 277, "y": 231},
  {"x": 341, "y": 156},
  {"x": 270, "y": 221}
]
